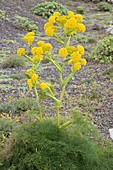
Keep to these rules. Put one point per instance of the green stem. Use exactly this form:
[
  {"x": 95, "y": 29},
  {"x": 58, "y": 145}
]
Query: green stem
[
  {"x": 58, "y": 39},
  {"x": 28, "y": 58},
  {"x": 58, "y": 67},
  {"x": 38, "y": 102},
  {"x": 58, "y": 116},
  {"x": 61, "y": 79},
  {"x": 37, "y": 65},
  {"x": 62, "y": 93},
  {"x": 33, "y": 66}
]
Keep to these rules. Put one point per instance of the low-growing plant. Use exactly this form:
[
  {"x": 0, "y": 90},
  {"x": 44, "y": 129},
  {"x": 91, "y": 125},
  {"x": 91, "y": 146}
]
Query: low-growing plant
[
  {"x": 104, "y": 6},
  {"x": 18, "y": 106},
  {"x": 103, "y": 52},
  {"x": 80, "y": 38},
  {"x": 91, "y": 40},
  {"x": 23, "y": 23},
  {"x": 46, "y": 9},
  {"x": 2, "y": 14},
  {"x": 80, "y": 10},
  {"x": 6, "y": 126},
  {"x": 40, "y": 145},
  {"x": 12, "y": 62},
  {"x": 108, "y": 72},
  {"x": 17, "y": 76}
]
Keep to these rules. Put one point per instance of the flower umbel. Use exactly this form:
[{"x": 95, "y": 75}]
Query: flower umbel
[{"x": 21, "y": 52}]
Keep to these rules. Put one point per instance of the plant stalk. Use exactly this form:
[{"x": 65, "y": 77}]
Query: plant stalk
[
  {"x": 58, "y": 116},
  {"x": 38, "y": 102}
]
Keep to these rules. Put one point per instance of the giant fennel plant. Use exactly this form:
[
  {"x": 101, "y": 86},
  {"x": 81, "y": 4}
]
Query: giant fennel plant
[{"x": 67, "y": 25}]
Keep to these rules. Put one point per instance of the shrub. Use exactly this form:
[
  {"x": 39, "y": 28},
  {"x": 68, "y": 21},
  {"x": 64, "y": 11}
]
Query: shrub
[
  {"x": 13, "y": 61},
  {"x": 104, "y": 6},
  {"x": 24, "y": 24},
  {"x": 80, "y": 10},
  {"x": 6, "y": 126},
  {"x": 103, "y": 52},
  {"x": 17, "y": 106},
  {"x": 42, "y": 146},
  {"x": 46, "y": 9}
]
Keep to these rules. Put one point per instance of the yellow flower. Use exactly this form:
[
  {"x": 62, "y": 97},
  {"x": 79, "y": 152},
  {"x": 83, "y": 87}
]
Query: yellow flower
[
  {"x": 37, "y": 51},
  {"x": 63, "y": 52},
  {"x": 17, "y": 120},
  {"x": 74, "y": 58},
  {"x": 48, "y": 46},
  {"x": 70, "y": 61},
  {"x": 83, "y": 62},
  {"x": 32, "y": 80},
  {"x": 37, "y": 58},
  {"x": 56, "y": 14},
  {"x": 10, "y": 120},
  {"x": 52, "y": 19},
  {"x": 61, "y": 20},
  {"x": 48, "y": 24},
  {"x": 29, "y": 37},
  {"x": 34, "y": 77},
  {"x": 77, "y": 66},
  {"x": 30, "y": 34},
  {"x": 80, "y": 49},
  {"x": 81, "y": 28},
  {"x": 30, "y": 84},
  {"x": 71, "y": 14},
  {"x": 49, "y": 31},
  {"x": 44, "y": 86},
  {"x": 79, "y": 17},
  {"x": 30, "y": 72},
  {"x": 70, "y": 24},
  {"x": 33, "y": 50},
  {"x": 41, "y": 43},
  {"x": 21, "y": 52},
  {"x": 71, "y": 49}
]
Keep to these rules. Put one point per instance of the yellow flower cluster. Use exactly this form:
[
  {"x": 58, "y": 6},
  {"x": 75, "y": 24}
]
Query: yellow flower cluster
[
  {"x": 71, "y": 23},
  {"x": 76, "y": 58},
  {"x": 40, "y": 51},
  {"x": 21, "y": 52},
  {"x": 44, "y": 46},
  {"x": 44, "y": 86},
  {"x": 29, "y": 38},
  {"x": 63, "y": 52},
  {"x": 75, "y": 54},
  {"x": 33, "y": 78}
]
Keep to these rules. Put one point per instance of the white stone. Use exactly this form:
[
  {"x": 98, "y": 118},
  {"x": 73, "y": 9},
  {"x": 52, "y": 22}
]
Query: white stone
[
  {"x": 110, "y": 29},
  {"x": 111, "y": 133}
]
